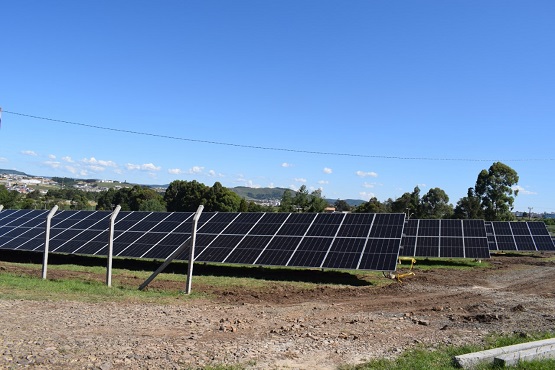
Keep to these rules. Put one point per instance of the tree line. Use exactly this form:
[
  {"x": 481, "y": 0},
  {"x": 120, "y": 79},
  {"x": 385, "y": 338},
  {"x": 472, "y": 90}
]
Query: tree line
[{"x": 491, "y": 198}]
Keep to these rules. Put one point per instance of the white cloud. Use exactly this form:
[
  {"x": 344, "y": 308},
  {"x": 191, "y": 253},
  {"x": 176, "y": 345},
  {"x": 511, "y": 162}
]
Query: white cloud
[
  {"x": 327, "y": 170},
  {"x": 51, "y": 156},
  {"x": 142, "y": 167},
  {"x": 71, "y": 169},
  {"x": 67, "y": 159},
  {"x": 52, "y": 164},
  {"x": 366, "y": 174},
  {"x": 29, "y": 152},
  {"x": 369, "y": 185},
  {"x": 323, "y": 182},
  {"x": 131, "y": 166},
  {"x": 195, "y": 169},
  {"x": 213, "y": 173},
  {"x": 366, "y": 195},
  {"x": 96, "y": 168},
  {"x": 522, "y": 191},
  {"x": 175, "y": 171},
  {"x": 97, "y": 162},
  {"x": 300, "y": 179},
  {"x": 286, "y": 165},
  {"x": 150, "y": 167},
  {"x": 3, "y": 159}
]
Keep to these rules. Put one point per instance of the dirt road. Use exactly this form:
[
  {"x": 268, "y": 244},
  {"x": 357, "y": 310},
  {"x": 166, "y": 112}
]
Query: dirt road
[{"x": 280, "y": 327}]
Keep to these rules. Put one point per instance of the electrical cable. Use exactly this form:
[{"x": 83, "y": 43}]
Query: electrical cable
[{"x": 273, "y": 148}]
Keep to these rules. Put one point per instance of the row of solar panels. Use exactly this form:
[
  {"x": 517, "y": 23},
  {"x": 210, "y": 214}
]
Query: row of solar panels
[
  {"x": 465, "y": 238},
  {"x": 349, "y": 241}
]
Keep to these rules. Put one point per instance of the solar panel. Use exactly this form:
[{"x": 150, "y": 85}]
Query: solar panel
[
  {"x": 519, "y": 236},
  {"x": 445, "y": 238},
  {"x": 350, "y": 241}
]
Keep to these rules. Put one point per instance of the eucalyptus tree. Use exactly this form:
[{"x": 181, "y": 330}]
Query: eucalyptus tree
[{"x": 494, "y": 187}]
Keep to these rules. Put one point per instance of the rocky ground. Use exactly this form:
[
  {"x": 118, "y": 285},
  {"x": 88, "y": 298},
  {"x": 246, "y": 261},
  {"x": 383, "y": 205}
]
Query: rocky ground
[{"x": 282, "y": 327}]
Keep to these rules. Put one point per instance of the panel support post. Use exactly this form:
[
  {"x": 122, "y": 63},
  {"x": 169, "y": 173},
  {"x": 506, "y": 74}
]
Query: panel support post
[
  {"x": 111, "y": 245},
  {"x": 192, "y": 250},
  {"x": 175, "y": 253},
  {"x": 47, "y": 240}
]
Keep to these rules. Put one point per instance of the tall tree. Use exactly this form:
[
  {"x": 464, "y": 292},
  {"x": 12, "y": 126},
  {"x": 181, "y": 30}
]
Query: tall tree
[
  {"x": 408, "y": 203},
  {"x": 372, "y": 206},
  {"x": 435, "y": 204},
  {"x": 316, "y": 202},
  {"x": 184, "y": 196},
  {"x": 469, "y": 207},
  {"x": 8, "y": 198},
  {"x": 286, "y": 204},
  {"x": 494, "y": 187},
  {"x": 221, "y": 199},
  {"x": 342, "y": 206},
  {"x": 301, "y": 199}
]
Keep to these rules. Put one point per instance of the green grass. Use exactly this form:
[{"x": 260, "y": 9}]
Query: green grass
[
  {"x": 445, "y": 263},
  {"x": 443, "y": 357}
]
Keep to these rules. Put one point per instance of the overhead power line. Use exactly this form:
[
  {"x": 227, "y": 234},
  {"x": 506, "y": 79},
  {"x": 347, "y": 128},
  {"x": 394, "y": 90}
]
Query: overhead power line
[{"x": 302, "y": 151}]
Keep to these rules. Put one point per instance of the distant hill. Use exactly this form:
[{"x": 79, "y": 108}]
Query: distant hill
[
  {"x": 258, "y": 193},
  {"x": 277, "y": 193},
  {"x": 13, "y": 172}
]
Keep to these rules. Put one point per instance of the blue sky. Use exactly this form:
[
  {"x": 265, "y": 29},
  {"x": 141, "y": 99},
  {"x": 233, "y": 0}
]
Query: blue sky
[{"x": 400, "y": 93}]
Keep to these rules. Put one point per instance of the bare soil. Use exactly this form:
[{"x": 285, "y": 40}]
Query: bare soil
[{"x": 280, "y": 326}]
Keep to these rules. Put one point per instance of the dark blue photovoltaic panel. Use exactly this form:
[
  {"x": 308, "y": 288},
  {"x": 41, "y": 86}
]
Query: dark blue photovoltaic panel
[
  {"x": 525, "y": 243},
  {"x": 334, "y": 240},
  {"x": 387, "y": 225},
  {"x": 451, "y": 228},
  {"x": 427, "y": 246},
  {"x": 269, "y": 224},
  {"x": 326, "y": 224},
  {"x": 217, "y": 224},
  {"x": 220, "y": 248},
  {"x": 278, "y": 251},
  {"x": 452, "y": 247},
  {"x": 538, "y": 228},
  {"x": 476, "y": 248},
  {"x": 408, "y": 246},
  {"x": 167, "y": 246},
  {"x": 474, "y": 228},
  {"x": 380, "y": 254},
  {"x": 519, "y": 228},
  {"x": 505, "y": 243},
  {"x": 492, "y": 244},
  {"x": 248, "y": 250},
  {"x": 502, "y": 228},
  {"x": 444, "y": 238},
  {"x": 142, "y": 245},
  {"x": 345, "y": 253},
  {"x": 544, "y": 243},
  {"x": 297, "y": 224},
  {"x": 243, "y": 223},
  {"x": 356, "y": 225},
  {"x": 310, "y": 252},
  {"x": 428, "y": 228},
  {"x": 521, "y": 236},
  {"x": 411, "y": 227}
]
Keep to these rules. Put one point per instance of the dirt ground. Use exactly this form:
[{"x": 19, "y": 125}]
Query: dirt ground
[{"x": 281, "y": 327}]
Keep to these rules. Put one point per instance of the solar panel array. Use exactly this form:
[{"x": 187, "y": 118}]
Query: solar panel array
[
  {"x": 347, "y": 241},
  {"x": 518, "y": 236},
  {"x": 444, "y": 238}
]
